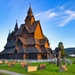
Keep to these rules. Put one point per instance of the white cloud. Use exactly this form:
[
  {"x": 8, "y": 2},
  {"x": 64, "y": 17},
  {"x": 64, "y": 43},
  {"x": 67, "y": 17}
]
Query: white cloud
[
  {"x": 70, "y": 16},
  {"x": 59, "y": 16},
  {"x": 46, "y": 15}
]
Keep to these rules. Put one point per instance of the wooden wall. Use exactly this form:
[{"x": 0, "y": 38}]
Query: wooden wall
[{"x": 38, "y": 32}]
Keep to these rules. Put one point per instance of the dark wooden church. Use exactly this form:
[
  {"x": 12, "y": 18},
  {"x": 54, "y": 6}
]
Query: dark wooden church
[{"x": 27, "y": 42}]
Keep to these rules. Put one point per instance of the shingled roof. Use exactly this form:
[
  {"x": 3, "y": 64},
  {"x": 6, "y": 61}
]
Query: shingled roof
[
  {"x": 20, "y": 29},
  {"x": 31, "y": 28},
  {"x": 42, "y": 41},
  {"x": 29, "y": 41},
  {"x": 50, "y": 50},
  {"x": 10, "y": 44},
  {"x": 22, "y": 40},
  {"x": 7, "y": 51},
  {"x": 30, "y": 10},
  {"x": 32, "y": 41},
  {"x": 33, "y": 50},
  {"x": 22, "y": 50}
]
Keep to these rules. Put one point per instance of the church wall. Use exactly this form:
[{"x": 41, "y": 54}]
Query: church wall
[
  {"x": 32, "y": 56},
  {"x": 44, "y": 56},
  {"x": 16, "y": 56},
  {"x": 38, "y": 33},
  {"x": 48, "y": 56}
]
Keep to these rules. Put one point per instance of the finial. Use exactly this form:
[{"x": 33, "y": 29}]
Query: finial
[
  {"x": 9, "y": 31},
  {"x": 30, "y": 4}
]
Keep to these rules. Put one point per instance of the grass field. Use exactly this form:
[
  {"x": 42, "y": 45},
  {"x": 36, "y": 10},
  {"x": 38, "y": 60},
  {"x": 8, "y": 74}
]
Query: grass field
[{"x": 51, "y": 69}]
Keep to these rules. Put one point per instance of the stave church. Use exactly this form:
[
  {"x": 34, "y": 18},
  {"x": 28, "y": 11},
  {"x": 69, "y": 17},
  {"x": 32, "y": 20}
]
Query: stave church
[{"x": 28, "y": 41}]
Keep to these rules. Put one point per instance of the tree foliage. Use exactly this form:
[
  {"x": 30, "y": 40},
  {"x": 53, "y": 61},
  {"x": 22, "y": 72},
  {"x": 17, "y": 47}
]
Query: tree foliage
[{"x": 61, "y": 46}]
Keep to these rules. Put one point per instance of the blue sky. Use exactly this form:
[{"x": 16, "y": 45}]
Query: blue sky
[{"x": 57, "y": 18}]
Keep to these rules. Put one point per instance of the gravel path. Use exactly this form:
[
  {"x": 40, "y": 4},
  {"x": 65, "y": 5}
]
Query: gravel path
[{"x": 10, "y": 73}]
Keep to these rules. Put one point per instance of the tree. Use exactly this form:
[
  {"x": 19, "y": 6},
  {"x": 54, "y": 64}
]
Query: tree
[{"x": 60, "y": 45}]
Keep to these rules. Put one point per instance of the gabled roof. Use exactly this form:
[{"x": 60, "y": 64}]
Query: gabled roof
[
  {"x": 31, "y": 28},
  {"x": 22, "y": 40},
  {"x": 12, "y": 34},
  {"x": 42, "y": 41},
  {"x": 46, "y": 50},
  {"x": 22, "y": 50},
  {"x": 20, "y": 30},
  {"x": 50, "y": 50},
  {"x": 43, "y": 49}
]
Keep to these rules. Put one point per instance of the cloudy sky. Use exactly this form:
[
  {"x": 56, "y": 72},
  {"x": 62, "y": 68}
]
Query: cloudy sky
[{"x": 57, "y": 19}]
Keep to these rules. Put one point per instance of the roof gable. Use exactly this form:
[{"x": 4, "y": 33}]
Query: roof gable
[
  {"x": 20, "y": 30},
  {"x": 38, "y": 34},
  {"x": 31, "y": 28}
]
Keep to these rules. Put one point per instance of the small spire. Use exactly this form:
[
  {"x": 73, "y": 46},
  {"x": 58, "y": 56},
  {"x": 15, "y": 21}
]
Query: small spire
[
  {"x": 30, "y": 10},
  {"x": 9, "y": 31},
  {"x": 16, "y": 26},
  {"x": 9, "y": 34}
]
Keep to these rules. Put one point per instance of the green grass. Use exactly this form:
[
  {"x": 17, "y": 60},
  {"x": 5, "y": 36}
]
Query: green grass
[
  {"x": 51, "y": 69},
  {"x": 72, "y": 59},
  {"x": 3, "y": 74}
]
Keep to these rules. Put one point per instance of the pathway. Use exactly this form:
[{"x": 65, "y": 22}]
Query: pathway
[{"x": 10, "y": 73}]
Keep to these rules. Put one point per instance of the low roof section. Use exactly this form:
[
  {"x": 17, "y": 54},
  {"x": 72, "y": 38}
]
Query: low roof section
[
  {"x": 44, "y": 50},
  {"x": 29, "y": 41},
  {"x": 10, "y": 44},
  {"x": 33, "y": 50},
  {"x": 8, "y": 51}
]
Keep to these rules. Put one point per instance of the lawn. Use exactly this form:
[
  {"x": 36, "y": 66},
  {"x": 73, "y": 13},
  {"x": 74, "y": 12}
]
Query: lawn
[{"x": 51, "y": 69}]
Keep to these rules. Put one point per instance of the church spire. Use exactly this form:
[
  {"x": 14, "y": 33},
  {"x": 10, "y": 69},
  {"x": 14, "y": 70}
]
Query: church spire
[
  {"x": 16, "y": 26},
  {"x": 30, "y": 17},
  {"x": 30, "y": 10}
]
